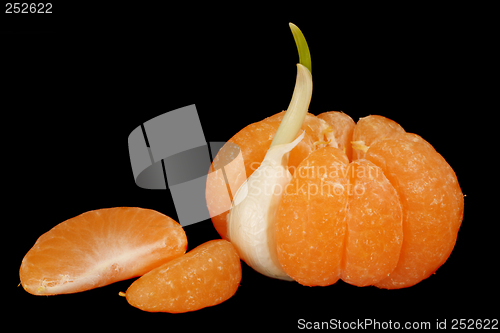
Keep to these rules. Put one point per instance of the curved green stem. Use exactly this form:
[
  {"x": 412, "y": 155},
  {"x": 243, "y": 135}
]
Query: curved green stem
[
  {"x": 300, "y": 41},
  {"x": 299, "y": 105}
]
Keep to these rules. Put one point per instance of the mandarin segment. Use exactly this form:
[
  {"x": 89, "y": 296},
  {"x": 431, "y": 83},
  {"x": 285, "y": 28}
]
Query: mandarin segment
[
  {"x": 371, "y": 129},
  {"x": 100, "y": 247},
  {"x": 205, "y": 276},
  {"x": 432, "y": 204},
  {"x": 227, "y": 174},
  {"x": 342, "y": 127},
  {"x": 310, "y": 222},
  {"x": 374, "y": 226}
]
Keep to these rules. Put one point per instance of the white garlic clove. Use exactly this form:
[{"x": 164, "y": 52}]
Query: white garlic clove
[{"x": 251, "y": 219}]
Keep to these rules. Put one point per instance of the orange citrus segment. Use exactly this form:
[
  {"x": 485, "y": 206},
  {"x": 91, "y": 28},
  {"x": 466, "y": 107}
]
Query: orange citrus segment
[
  {"x": 432, "y": 204},
  {"x": 310, "y": 222},
  {"x": 371, "y": 129},
  {"x": 223, "y": 181},
  {"x": 100, "y": 247},
  {"x": 205, "y": 276},
  {"x": 374, "y": 226},
  {"x": 342, "y": 127}
]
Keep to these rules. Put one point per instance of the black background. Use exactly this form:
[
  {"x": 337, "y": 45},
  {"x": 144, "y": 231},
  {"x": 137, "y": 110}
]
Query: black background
[{"x": 77, "y": 82}]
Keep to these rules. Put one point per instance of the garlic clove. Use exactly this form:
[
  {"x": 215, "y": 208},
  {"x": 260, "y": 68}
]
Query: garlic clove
[
  {"x": 250, "y": 222},
  {"x": 251, "y": 219}
]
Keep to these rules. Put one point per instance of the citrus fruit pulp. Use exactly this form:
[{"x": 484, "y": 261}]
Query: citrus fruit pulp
[
  {"x": 418, "y": 210},
  {"x": 432, "y": 204},
  {"x": 205, "y": 276},
  {"x": 374, "y": 232},
  {"x": 340, "y": 220},
  {"x": 100, "y": 247},
  {"x": 310, "y": 231}
]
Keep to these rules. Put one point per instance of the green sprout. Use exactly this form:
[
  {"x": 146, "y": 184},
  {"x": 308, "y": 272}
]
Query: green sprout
[{"x": 300, "y": 41}]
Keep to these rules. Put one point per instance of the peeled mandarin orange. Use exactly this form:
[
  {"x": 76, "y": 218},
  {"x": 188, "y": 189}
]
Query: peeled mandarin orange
[
  {"x": 100, "y": 247},
  {"x": 394, "y": 234},
  {"x": 205, "y": 276}
]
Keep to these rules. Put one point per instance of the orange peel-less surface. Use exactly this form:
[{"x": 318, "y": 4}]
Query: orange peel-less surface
[
  {"x": 383, "y": 207},
  {"x": 374, "y": 232},
  {"x": 100, "y": 247},
  {"x": 205, "y": 276},
  {"x": 310, "y": 222},
  {"x": 432, "y": 203}
]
